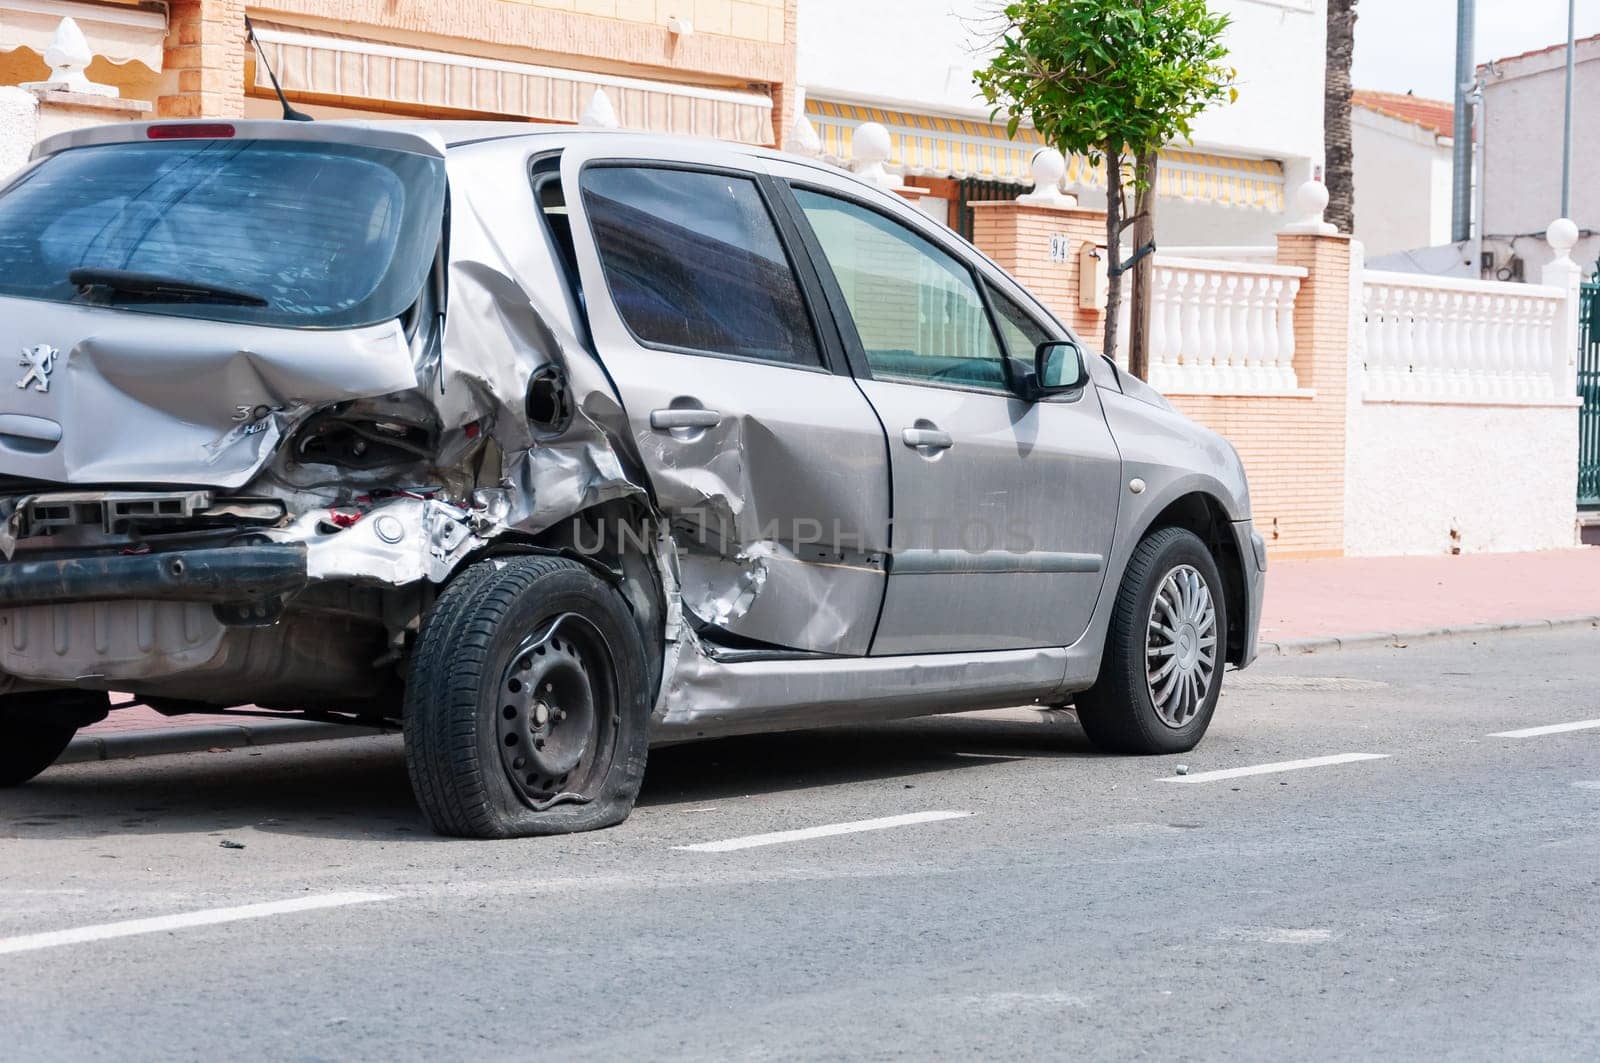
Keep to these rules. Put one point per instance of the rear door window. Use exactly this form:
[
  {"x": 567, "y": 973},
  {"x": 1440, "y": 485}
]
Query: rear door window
[
  {"x": 268, "y": 232},
  {"x": 695, "y": 264}
]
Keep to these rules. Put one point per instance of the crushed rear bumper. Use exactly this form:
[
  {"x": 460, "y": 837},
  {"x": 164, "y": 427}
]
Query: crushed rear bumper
[{"x": 234, "y": 574}]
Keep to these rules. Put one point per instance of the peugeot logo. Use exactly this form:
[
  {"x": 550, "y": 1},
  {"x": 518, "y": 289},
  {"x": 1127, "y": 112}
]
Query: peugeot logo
[{"x": 39, "y": 361}]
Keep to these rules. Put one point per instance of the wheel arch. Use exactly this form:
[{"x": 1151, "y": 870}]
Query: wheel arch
[{"x": 1204, "y": 514}]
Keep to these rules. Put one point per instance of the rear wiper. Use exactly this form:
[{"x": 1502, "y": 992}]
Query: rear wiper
[{"x": 158, "y": 287}]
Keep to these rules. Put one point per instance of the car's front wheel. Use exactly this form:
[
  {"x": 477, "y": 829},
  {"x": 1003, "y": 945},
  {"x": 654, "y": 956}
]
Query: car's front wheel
[
  {"x": 527, "y": 709},
  {"x": 1161, "y": 671},
  {"x": 36, "y": 728}
]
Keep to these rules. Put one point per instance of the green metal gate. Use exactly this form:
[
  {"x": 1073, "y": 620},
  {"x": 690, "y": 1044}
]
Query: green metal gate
[
  {"x": 1589, "y": 391},
  {"x": 976, "y": 191}
]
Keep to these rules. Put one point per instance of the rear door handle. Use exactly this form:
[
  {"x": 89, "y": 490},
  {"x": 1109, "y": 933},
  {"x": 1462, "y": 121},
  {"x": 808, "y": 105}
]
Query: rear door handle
[
  {"x": 667, "y": 420},
  {"x": 927, "y": 438}
]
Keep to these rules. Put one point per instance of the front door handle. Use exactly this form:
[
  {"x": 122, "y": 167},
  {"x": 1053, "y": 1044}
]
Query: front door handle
[
  {"x": 927, "y": 438},
  {"x": 667, "y": 420}
]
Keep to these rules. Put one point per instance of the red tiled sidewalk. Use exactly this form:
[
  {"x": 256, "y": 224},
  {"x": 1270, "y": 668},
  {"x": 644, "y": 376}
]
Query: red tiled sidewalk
[
  {"x": 1335, "y": 597},
  {"x": 1362, "y": 595}
]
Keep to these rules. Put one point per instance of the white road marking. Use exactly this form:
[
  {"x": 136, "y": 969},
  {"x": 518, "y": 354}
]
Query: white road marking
[
  {"x": 1277, "y": 935},
  {"x": 752, "y": 841},
  {"x": 208, "y": 917},
  {"x": 1552, "y": 729},
  {"x": 1588, "y": 784},
  {"x": 1270, "y": 769}
]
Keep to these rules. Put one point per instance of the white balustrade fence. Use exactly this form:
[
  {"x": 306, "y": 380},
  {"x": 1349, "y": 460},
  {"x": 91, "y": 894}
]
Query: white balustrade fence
[
  {"x": 1221, "y": 327},
  {"x": 1437, "y": 338}
]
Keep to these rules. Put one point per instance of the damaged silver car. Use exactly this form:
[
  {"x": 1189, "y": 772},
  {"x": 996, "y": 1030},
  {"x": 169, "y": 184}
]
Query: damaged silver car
[{"x": 548, "y": 446}]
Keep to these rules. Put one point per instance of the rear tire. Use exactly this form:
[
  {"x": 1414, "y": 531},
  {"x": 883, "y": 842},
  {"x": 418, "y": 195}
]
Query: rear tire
[
  {"x": 527, "y": 711},
  {"x": 36, "y": 728},
  {"x": 1161, "y": 671}
]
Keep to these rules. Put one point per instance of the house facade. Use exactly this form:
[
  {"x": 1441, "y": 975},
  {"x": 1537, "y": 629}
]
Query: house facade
[
  {"x": 1520, "y": 124},
  {"x": 720, "y": 68},
  {"x": 908, "y": 65},
  {"x": 1403, "y": 148}
]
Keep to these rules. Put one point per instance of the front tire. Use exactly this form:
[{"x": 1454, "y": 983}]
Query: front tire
[
  {"x": 36, "y": 728},
  {"x": 1161, "y": 671},
  {"x": 527, "y": 710}
]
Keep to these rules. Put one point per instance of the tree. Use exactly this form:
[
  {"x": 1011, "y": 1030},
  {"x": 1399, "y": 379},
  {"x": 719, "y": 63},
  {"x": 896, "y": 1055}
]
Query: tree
[
  {"x": 1340, "y": 175},
  {"x": 1115, "y": 80}
]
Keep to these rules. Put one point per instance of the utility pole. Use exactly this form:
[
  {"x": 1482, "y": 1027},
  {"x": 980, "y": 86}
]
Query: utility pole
[
  {"x": 1461, "y": 156},
  {"x": 1566, "y": 125}
]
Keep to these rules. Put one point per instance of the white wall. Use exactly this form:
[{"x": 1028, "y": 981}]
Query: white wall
[
  {"x": 1501, "y": 477},
  {"x": 1402, "y": 180},
  {"x": 1521, "y": 143},
  {"x": 19, "y": 117}
]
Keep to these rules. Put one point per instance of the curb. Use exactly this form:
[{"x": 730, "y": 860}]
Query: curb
[
  {"x": 1399, "y": 639},
  {"x": 117, "y": 745}
]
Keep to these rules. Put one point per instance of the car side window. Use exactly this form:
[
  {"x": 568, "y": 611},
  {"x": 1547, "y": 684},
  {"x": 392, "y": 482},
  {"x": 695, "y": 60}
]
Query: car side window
[
  {"x": 916, "y": 308},
  {"x": 694, "y": 263},
  {"x": 1018, "y": 330}
]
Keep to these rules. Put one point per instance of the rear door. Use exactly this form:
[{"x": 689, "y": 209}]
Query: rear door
[
  {"x": 771, "y": 467},
  {"x": 1004, "y": 509}
]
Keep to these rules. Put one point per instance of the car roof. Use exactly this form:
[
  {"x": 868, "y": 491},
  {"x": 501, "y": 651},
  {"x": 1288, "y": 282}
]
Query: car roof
[{"x": 432, "y": 136}]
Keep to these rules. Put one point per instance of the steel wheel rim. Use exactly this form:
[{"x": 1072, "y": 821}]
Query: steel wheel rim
[
  {"x": 1181, "y": 646},
  {"x": 557, "y": 712}
]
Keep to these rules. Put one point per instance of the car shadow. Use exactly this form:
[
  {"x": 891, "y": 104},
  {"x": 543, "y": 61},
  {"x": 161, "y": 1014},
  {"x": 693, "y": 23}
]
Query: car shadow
[{"x": 357, "y": 789}]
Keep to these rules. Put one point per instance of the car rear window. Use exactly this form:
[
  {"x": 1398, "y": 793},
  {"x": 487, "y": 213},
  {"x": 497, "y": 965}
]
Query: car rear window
[
  {"x": 695, "y": 263},
  {"x": 317, "y": 234}
]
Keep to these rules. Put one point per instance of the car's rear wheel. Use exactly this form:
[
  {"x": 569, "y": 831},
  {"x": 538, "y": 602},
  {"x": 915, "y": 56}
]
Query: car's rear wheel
[
  {"x": 527, "y": 710},
  {"x": 36, "y": 728},
  {"x": 1161, "y": 672}
]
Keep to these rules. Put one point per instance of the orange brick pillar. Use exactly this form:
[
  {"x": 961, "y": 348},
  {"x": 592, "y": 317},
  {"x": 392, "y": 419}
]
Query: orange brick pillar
[
  {"x": 1322, "y": 317},
  {"x": 204, "y": 60},
  {"x": 1039, "y": 245}
]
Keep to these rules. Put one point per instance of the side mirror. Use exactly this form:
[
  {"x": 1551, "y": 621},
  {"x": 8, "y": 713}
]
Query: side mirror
[{"x": 1057, "y": 367}]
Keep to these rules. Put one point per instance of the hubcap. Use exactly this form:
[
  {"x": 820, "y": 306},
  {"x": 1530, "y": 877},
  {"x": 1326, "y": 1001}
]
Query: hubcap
[
  {"x": 1181, "y": 645},
  {"x": 556, "y": 716}
]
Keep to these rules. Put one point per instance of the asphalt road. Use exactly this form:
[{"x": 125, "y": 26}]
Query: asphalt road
[{"x": 1441, "y": 899}]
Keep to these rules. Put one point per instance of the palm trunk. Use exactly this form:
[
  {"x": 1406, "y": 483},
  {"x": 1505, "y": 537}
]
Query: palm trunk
[{"x": 1336, "y": 115}]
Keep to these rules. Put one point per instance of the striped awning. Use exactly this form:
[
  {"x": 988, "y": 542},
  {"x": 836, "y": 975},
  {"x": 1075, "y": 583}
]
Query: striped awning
[
  {"x": 354, "y": 71},
  {"x": 929, "y": 146}
]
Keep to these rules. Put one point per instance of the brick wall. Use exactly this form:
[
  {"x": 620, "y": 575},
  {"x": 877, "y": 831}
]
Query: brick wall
[
  {"x": 1018, "y": 235},
  {"x": 203, "y": 73},
  {"x": 1293, "y": 446}
]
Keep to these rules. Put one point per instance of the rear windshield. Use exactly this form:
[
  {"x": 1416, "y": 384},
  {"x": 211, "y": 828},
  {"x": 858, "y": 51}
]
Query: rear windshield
[{"x": 268, "y": 232}]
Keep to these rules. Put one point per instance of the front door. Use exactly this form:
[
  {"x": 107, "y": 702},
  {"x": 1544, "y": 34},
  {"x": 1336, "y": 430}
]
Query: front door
[
  {"x": 770, "y": 466},
  {"x": 1004, "y": 509}
]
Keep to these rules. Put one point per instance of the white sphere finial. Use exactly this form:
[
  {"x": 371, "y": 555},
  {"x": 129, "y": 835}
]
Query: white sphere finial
[
  {"x": 599, "y": 114},
  {"x": 871, "y": 144},
  {"x": 1048, "y": 167},
  {"x": 870, "y": 148},
  {"x": 1310, "y": 201},
  {"x": 1563, "y": 236}
]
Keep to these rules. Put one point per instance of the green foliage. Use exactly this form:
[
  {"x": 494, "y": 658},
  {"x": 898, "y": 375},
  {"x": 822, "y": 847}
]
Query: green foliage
[{"x": 1108, "y": 77}]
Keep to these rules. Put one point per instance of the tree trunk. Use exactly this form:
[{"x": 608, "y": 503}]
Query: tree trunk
[
  {"x": 1340, "y": 175},
  {"x": 1144, "y": 271},
  {"x": 1113, "y": 249}
]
